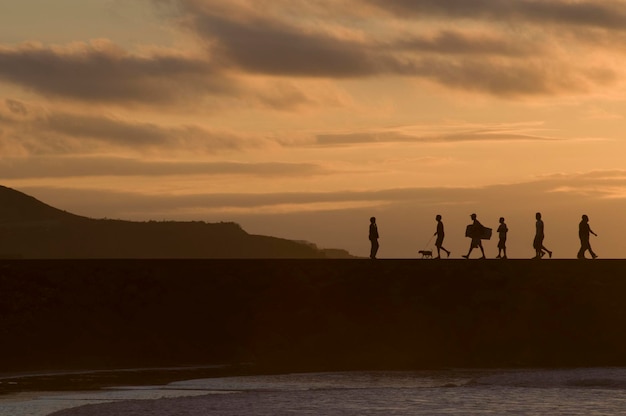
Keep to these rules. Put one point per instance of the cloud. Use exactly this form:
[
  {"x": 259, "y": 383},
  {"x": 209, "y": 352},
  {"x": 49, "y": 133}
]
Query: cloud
[
  {"x": 600, "y": 184},
  {"x": 58, "y": 132},
  {"x": 113, "y": 131},
  {"x": 454, "y": 134},
  {"x": 261, "y": 45},
  {"x": 608, "y": 15},
  {"x": 456, "y": 42},
  {"x": 272, "y": 48},
  {"x": 93, "y": 166},
  {"x": 514, "y": 49},
  {"x": 514, "y": 78},
  {"x": 543, "y": 190},
  {"x": 131, "y": 202},
  {"x": 494, "y": 58},
  {"x": 100, "y": 71}
]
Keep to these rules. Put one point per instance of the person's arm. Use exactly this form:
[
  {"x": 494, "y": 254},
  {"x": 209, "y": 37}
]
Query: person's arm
[{"x": 591, "y": 231}]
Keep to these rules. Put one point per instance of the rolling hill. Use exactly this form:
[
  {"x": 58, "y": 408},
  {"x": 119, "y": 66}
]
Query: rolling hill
[{"x": 30, "y": 228}]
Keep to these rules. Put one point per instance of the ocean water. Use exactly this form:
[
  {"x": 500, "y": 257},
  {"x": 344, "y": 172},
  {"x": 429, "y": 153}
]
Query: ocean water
[{"x": 587, "y": 391}]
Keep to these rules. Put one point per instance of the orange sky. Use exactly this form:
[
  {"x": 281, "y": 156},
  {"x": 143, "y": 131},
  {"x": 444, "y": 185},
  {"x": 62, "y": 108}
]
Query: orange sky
[{"x": 303, "y": 118}]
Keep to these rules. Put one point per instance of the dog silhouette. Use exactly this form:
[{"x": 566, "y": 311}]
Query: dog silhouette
[{"x": 426, "y": 254}]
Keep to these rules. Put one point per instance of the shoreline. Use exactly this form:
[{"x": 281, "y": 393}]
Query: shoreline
[
  {"x": 16, "y": 384},
  {"x": 290, "y": 393}
]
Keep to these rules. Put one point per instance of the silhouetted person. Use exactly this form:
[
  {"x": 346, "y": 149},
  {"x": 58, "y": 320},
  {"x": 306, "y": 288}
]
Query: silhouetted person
[
  {"x": 540, "y": 250},
  {"x": 583, "y": 233},
  {"x": 502, "y": 230},
  {"x": 373, "y": 237},
  {"x": 475, "y": 233},
  {"x": 440, "y": 235}
]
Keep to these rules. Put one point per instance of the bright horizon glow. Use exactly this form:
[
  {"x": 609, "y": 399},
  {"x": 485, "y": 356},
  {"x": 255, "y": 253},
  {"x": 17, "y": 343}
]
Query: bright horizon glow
[{"x": 301, "y": 119}]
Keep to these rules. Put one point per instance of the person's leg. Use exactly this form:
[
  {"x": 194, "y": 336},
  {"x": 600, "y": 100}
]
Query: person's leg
[
  {"x": 537, "y": 247},
  {"x": 588, "y": 247},
  {"x": 581, "y": 252},
  {"x": 374, "y": 248},
  {"x": 547, "y": 251}
]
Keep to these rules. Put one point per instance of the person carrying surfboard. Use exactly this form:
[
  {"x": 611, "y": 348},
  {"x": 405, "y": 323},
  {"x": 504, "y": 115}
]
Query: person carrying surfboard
[{"x": 475, "y": 231}]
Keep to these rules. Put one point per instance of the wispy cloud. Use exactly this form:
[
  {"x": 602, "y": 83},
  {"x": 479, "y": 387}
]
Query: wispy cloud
[
  {"x": 600, "y": 184},
  {"x": 465, "y": 43},
  {"x": 36, "y": 131},
  {"x": 611, "y": 15},
  {"x": 542, "y": 191},
  {"x": 92, "y": 166},
  {"x": 445, "y": 134}
]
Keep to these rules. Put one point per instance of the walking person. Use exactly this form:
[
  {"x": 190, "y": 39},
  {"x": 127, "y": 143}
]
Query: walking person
[
  {"x": 373, "y": 237},
  {"x": 540, "y": 249},
  {"x": 502, "y": 230},
  {"x": 583, "y": 233},
  {"x": 440, "y": 235},
  {"x": 475, "y": 232}
]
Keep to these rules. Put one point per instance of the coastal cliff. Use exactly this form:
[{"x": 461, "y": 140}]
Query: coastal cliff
[{"x": 311, "y": 315}]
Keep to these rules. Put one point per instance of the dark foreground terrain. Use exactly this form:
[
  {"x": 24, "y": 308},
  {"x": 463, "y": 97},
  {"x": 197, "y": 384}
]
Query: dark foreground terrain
[{"x": 310, "y": 315}]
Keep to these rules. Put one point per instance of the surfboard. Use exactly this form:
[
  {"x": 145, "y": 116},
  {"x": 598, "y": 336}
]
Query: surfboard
[{"x": 485, "y": 232}]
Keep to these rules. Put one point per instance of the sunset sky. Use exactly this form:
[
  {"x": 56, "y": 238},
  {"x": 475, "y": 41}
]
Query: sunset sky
[{"x": 303, "y": 118}]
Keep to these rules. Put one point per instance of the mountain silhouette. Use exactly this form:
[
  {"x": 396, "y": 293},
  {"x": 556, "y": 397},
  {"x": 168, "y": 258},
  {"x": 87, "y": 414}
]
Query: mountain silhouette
[{"x": 30, "y": 228}]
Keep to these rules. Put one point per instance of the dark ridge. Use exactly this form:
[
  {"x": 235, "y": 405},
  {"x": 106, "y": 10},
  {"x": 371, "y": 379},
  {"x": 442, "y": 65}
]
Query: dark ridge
[
  {"x": 20, "y": 210},
  {"x": 311, "y": 315},
  {"x": 31, "y": 229}
]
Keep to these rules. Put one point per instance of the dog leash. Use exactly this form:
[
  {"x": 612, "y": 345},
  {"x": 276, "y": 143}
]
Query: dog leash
[{"x": 428, "y": 243}]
